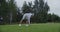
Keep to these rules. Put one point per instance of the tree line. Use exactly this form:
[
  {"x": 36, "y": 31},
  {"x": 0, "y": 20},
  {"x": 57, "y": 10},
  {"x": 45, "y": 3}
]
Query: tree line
[
  {"x": 40, "y": 10},
  {"x": 11, "y": 13}
]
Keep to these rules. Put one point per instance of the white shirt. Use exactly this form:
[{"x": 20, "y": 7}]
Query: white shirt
[{"x": 27, "y": 15}]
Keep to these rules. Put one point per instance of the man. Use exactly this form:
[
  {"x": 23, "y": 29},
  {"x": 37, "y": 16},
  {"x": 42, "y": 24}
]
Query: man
[{"x": 26, "y": 17}]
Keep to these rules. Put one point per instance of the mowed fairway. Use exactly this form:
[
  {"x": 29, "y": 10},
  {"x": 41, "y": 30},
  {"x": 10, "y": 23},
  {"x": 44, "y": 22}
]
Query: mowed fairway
[{"x": 47, "y": 27}]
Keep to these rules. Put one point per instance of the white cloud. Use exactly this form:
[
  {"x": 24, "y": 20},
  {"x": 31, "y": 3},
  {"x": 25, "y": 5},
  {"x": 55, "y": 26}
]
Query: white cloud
[{"x": 54, "y": 6}]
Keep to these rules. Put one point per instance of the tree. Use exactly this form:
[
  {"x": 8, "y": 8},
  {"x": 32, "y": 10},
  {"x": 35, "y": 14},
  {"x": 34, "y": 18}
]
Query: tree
[
  {"x": 53, "y": 18},
  {"x": 12, "y": 11},
  {"x": 30, "y": 4},
  {"x": 25, "y": 7},
  {"x": 40, "y": 10},
  {"x": 36, "y": 5},
  {"x": 3, "y": 9},
  {"x": 8, "y": 10}
]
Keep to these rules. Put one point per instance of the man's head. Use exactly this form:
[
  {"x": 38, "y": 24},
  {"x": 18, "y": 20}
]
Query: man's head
[{"x": 28, "y": 11}]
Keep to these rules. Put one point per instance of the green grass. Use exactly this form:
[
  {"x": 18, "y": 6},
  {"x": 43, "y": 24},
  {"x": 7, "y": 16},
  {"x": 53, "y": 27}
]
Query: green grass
[{"x": 47, "y": 27}]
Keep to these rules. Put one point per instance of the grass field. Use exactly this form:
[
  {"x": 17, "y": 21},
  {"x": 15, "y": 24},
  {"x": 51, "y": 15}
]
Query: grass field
[{"x": 47, "y": 27}]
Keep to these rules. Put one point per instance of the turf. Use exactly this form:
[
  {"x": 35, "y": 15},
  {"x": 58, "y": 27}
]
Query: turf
[{"x": 47, "y": 27}]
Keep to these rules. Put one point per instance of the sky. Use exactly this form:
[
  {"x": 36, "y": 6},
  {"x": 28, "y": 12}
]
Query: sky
[{"x": 53, "y": 4}]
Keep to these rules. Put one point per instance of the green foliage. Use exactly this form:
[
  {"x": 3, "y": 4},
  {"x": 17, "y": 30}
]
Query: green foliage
[
  {"x": 13, "y": 9},
  {"x": 25, "y": 7},
  {"x": 7, "y": 8},
  {"x": 41, "y": 10},
  {"x": 53, "y": 18},
  {"x": 3, "y": 8}
]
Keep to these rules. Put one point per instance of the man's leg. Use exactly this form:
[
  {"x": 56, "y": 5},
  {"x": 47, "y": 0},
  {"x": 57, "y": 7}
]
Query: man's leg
[
  {"x": 20, "y": 22},
  {"x": 28, "y": 22}
]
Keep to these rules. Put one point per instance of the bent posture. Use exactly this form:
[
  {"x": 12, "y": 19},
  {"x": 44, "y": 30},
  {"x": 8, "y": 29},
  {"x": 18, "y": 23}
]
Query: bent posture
[{"x": 26, "y": 17}]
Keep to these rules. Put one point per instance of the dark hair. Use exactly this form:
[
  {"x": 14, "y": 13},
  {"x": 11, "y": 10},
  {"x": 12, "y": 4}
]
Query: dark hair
[{"x": 28, "y": 11}]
